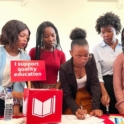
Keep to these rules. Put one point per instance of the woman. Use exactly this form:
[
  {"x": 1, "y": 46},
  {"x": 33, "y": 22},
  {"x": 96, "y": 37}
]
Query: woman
[
  {"x": 79, "y": 81},
  {"x": 108, "y": 26},
  {"x": 47, "y": 49},
  {"x": 13, "y": 40},
  {"x": 118, "y": 81}
]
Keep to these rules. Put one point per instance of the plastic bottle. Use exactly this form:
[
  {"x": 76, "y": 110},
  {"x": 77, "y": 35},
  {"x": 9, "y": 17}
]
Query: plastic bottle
[{"x": 8, "y": 110}]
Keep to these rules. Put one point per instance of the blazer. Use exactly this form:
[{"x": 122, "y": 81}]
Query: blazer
[{"x": 69, "y": 84}]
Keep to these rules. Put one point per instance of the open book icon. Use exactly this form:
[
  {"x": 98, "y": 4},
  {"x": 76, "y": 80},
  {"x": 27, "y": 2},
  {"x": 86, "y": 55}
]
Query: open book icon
[
  {"x": 42, "y": 109},
  {"x": 25, "y": 106}
]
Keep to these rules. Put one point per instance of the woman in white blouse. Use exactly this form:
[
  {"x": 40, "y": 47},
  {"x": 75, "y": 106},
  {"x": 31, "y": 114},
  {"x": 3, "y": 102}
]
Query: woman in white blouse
[{"x": 108, "y": 26}]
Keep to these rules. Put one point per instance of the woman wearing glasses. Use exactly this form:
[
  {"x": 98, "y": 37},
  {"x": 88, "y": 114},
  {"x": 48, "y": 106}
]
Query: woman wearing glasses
[{"x": 79, "y": 80}]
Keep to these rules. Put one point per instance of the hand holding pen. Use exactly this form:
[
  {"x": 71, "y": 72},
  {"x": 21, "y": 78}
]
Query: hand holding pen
[
  {"x": 81, "y": 113},
  {"x": 105, "y": 99}
]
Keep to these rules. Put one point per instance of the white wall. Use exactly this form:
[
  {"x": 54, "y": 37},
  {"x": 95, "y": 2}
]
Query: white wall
[{"x": 65, "y": 14}]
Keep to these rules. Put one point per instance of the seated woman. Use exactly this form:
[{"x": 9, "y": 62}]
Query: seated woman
[
  {"x": 118, "y": 81},
  {"x": 79, "y": 79}
]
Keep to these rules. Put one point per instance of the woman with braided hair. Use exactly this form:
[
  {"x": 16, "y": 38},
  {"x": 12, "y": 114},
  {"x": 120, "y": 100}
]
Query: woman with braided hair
[
  {"x": 48, "y": 49},
  {"x": 118, "y": 81}
]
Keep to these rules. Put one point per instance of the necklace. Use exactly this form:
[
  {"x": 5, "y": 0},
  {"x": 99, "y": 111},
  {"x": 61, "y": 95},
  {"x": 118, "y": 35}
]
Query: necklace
[
  {"x": 81, "y": 74},
  {"x": 78, "y": 74}
]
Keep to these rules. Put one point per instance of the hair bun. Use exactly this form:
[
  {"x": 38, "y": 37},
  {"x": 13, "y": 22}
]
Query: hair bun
[{"x": 78, "y": 33}]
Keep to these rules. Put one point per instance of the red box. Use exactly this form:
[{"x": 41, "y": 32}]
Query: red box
[{"x": 42, "y": 106}]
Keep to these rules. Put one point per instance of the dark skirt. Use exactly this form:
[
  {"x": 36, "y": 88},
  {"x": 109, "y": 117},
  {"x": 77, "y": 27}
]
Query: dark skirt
[
  {"x": 108, "y": 83},
  {"x": 1, "y": 107}
]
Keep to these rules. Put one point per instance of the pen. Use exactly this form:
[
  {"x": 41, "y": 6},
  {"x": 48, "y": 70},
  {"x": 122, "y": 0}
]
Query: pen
[
  {"x": 107, "y": 109},
  {"x": 81, "y": 107}
]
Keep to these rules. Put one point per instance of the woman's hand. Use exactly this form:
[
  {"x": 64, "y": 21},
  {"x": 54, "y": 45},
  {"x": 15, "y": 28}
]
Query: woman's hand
[
  {"x": 80, "y": 113},
  {"x": 105, "y": 99},
  {"x": 96, "y": 112},
  {"x": 121, "y": 112}
]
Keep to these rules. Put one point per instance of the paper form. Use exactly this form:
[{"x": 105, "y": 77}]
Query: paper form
[{"x": 72, "y": 119}]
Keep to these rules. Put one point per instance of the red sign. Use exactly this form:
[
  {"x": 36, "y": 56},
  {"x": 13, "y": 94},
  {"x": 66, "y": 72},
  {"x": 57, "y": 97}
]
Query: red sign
[
  {"x": 39, "y": 108},
  {"x": 28, "y": 70}
]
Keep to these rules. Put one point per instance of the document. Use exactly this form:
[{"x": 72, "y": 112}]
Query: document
[
  {"x": 13, "y": 121},
  {"x": 72, "y": 119},
  {"x": 66, "y": 119}
]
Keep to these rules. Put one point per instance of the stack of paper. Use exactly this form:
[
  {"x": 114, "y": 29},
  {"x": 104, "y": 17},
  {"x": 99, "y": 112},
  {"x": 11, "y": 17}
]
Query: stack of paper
[
  {"x": 72, "y": 119},
  {"x": 66, "y": 119},
  {"x": 13, "y": 121}
]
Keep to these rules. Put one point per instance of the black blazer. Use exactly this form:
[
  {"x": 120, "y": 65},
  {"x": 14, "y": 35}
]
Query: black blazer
[{"x": 69, "y": 84}]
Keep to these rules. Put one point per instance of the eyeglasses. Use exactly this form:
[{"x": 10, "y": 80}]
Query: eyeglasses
[{"x": 87, "y": 57}]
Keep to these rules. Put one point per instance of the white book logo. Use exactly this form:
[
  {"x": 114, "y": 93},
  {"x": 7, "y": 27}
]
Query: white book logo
[
  {"x": 25, "y": 106},
  {"x": 42, "y": 109}
]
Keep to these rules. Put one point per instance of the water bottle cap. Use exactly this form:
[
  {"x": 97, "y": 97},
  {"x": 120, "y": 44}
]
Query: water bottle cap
[{"x": 9, "y": 90}]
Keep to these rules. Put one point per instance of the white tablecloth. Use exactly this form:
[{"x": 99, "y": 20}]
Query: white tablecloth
[{"x": 66, "y": 119}]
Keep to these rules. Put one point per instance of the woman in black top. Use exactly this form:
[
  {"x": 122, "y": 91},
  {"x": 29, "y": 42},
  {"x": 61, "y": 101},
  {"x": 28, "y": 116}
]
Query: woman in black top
[{"x": 79, "y": 79}]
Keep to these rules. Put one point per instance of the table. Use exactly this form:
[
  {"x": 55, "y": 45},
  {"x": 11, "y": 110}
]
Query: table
[
  {"x": 105, "y": 117},
  {"x": 106, "y": 121}
]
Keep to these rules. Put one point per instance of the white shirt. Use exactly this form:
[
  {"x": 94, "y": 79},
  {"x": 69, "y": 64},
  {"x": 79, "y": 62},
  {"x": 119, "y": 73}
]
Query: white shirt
[
  {"x": 81, "y": 82},
  {"x": 6, "y": 78},
  {"x": 105, "y": 56}
]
